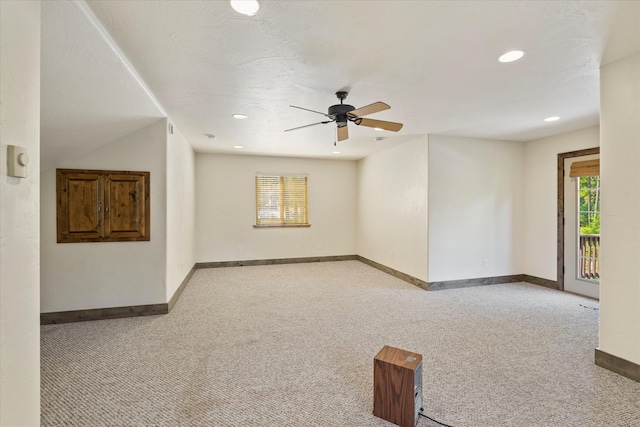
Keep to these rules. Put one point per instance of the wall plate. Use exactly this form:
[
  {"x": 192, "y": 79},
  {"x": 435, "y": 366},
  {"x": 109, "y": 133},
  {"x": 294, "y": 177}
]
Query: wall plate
[{"x": 17, "y": 161}]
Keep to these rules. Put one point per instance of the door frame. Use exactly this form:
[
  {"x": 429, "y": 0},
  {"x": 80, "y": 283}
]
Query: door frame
[{"x": 561, "y": 172}]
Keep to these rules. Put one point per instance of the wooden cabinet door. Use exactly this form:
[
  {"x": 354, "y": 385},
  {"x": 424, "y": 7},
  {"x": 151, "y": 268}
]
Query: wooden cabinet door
[
  {"x": 80, "y": 204},
  {"x": 126, "y": 213},
  {"x": 102, "y": 206}
]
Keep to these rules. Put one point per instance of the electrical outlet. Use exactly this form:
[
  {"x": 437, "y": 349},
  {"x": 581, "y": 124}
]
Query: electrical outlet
[{"x": 485, "y": 263}]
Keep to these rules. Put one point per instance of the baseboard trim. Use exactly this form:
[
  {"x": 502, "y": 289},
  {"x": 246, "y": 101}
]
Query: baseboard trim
[
  {"x": 115, "y": 312},
  {"x": 400, "y": 275},
  {"x": 178, "y": 291},
  {"x": 551, "y": 284},
  {"x": 618, "y": 365},
  {"x": 276, "y": 261},
  {"x": 457, "y": 284},
  {"x": 468, "y": 283},
  {"x": 155, "y": 309},
  {"x": 406, "y": 277},
  {"x": 102, "y": 313}
]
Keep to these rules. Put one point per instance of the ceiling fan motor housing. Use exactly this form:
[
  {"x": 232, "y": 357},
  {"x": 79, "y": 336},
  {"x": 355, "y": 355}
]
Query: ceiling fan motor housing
[{"x": 339, "y": 111}]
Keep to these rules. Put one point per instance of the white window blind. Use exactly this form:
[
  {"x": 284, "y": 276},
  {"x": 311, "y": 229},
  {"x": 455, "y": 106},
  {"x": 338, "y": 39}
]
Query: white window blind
[{"x": 281, "y": 200}]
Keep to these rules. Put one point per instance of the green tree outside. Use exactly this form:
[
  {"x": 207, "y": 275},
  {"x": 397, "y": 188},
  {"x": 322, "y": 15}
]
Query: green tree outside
[{"x": 589, "y": 191}]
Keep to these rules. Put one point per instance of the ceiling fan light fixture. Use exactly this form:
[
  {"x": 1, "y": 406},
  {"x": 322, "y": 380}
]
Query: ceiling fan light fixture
[
  {"x": 239, "y": 147},
  {"x": 245, "y": 7},
  {"x": 239, "y": 116},
  {"x": 552, "y": 119},
  {"x": 378, "y": 129},
  {"x": 511, "y": 56},
  {"x": 335, "y": 152}
]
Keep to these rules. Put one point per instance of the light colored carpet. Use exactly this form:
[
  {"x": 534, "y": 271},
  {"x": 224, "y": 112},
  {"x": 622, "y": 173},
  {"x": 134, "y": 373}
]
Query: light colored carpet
[{"x": 293, "y": 345}]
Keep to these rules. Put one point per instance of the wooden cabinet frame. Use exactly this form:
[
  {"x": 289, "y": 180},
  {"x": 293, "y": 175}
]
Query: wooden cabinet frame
[{"x": 102, "y": 206}]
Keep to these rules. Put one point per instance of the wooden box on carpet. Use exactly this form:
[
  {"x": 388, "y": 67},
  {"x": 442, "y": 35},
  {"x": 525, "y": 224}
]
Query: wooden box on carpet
[{"x": 397, "y": 386}]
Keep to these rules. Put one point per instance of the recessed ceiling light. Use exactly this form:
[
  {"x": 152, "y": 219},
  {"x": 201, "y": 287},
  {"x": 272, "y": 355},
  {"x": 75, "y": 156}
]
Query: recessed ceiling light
[
  {"x": 378, "y": 129},
  {"x": 511, "y": 56},
  {"x": 245, "y": 7},
  {"x": 335, "y": 152},
  {"x": 552, "y": 119},
  {"x": 240, "y": 116},
  {"x": 239, "y": 147}
]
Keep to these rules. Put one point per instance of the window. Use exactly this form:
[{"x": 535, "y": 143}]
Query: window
[{"x": 281, "y": 200}]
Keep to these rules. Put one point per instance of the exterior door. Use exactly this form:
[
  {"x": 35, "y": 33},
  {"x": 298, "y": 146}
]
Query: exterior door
[{"x": 581, "y": 233}]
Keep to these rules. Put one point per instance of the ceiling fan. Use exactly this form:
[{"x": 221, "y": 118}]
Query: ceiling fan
[{"x": 344, "y": 113}]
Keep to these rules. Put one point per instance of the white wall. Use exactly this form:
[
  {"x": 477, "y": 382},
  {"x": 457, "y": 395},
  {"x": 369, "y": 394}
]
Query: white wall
[
  {"x": 76, "y": 276},
  {"x": 541, "y": 197},
  {"x": 225, "y": 209},
  {"x": 19, "y": 221},
  {"x": 392, "y": 207},
  {"x": 475, "y": 207},
  {"x": 180, "y": 210},
  {"x": 620, "y": 172}
]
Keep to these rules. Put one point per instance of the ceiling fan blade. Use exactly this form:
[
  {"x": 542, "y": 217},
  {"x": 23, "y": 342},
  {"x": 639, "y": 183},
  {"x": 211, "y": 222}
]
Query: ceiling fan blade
[
  {"x": 369, "y": 109},
  {"x": 306, "y": 126},
  {"x": 382, "y": 124},
  {"x": 343, "y": 133},
  {"x": 313, "y": 111}
]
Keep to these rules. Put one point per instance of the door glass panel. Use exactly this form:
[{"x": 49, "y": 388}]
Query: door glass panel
[{"x": 589, "y": 235}]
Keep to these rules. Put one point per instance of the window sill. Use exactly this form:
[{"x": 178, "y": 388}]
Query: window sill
[{"x": 283, "y": 226}]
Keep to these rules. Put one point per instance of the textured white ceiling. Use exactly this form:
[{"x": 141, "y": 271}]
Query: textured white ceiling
[
  {"x": 434, "y": 62},
  {"x": 88, "y": 97}
]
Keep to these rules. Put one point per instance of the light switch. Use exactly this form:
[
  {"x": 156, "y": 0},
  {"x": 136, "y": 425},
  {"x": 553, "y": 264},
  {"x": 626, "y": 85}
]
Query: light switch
[{"x": 17, "y": 161}]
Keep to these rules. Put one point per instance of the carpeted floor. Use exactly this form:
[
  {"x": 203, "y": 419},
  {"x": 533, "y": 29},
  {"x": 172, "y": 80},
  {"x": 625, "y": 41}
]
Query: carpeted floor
[{"x": 293, "y": 345}]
